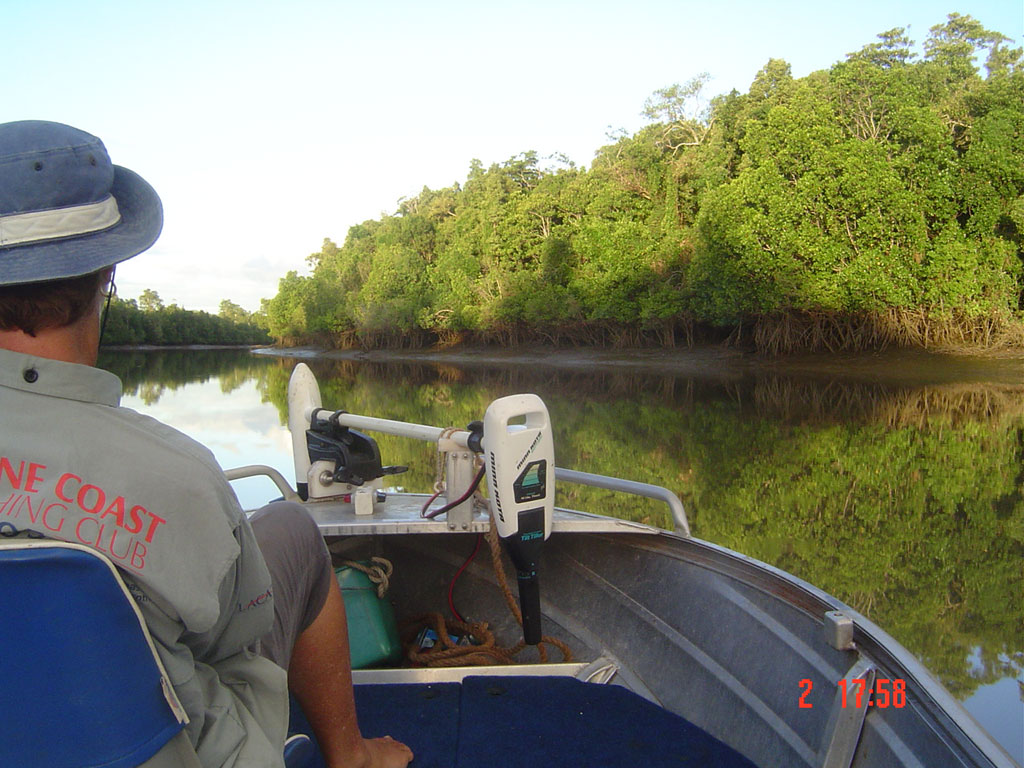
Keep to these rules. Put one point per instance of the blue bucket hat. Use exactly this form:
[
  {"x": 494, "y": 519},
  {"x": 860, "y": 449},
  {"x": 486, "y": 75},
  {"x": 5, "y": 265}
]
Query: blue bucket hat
[{"x": 65, "y": 210}]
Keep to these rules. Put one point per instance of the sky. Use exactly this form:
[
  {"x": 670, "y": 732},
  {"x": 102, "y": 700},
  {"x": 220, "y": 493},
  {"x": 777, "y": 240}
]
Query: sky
[{"x": 268, "y": 126}]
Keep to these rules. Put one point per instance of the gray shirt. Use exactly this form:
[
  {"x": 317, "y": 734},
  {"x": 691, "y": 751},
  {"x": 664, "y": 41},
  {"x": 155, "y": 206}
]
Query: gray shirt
[{"x": 77, "y": 467}]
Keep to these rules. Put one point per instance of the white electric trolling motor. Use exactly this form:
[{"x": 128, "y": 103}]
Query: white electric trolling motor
[{"x": 520, "y": 457}]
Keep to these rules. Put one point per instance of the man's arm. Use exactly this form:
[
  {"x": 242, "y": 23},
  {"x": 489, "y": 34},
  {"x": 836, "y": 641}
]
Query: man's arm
[{"x": 320, "y": 677}]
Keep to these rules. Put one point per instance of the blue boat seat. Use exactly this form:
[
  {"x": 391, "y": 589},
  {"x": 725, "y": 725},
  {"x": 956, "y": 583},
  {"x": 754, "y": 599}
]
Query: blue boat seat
[
  {"x": 521, "y": 722},
  {"x": 81, "y": 685}
]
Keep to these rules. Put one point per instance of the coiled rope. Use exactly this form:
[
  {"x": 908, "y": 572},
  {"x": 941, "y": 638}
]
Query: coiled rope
[
  {"x": 379, "y": 572},
  {"x": 447, "y": 653}
]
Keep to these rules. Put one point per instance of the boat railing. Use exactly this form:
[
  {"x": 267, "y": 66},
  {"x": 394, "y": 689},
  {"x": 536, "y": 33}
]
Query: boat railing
[
  {"x": 460, "y": 438},
  {"x": 260, "y": 470},
  {"x": 633, "y": 487}
]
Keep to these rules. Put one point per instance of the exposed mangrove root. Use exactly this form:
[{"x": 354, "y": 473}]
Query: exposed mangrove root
[
  {"x": 664, "y": 334},
  {"x": 794, "y": 332},
  {"x": 774, "y": 335},
  {"x": 670, "y": 333}
]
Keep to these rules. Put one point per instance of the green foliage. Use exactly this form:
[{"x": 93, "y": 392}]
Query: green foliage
[
  {"x": 892, "y": 50},
  {"x": 148, "y": 321},
  {"x": 953, "y": 46},
  {"x": 856, "y": 194},
  {"x": 150, "y": 301},
  {"x": 885, "y": 184},
  {"x": 392, "y": 297},
  {"x": 231, "y": 311},
  {"x": 614, "y": 269},
  {"x": 685, "y": 117}
]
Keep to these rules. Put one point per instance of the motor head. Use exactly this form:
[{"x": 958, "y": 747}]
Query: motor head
[{"x": 519, "y": 451}]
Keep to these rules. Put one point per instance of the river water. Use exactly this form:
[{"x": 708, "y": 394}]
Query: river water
[{"x": 894, "y": 482}]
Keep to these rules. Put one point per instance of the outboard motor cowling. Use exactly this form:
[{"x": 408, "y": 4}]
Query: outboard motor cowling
[{"x": 519, "y": 450}]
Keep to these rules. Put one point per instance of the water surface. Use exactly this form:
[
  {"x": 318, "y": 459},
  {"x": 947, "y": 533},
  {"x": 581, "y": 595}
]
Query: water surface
[{"x": 895, "y": 482}]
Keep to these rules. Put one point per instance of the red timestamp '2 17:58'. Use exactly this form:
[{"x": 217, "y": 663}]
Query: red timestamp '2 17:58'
[{"x": 857, "y": 693}]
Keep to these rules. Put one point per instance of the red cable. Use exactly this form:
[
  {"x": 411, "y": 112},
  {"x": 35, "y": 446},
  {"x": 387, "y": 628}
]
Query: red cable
[
  {"x": 458, "y": 573},
  {"x": 452, "y": 504},
  {"x": 423, "y": 511}
]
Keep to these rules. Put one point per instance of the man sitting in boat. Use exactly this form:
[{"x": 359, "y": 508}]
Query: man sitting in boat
[{"x": 231, "y": 604}]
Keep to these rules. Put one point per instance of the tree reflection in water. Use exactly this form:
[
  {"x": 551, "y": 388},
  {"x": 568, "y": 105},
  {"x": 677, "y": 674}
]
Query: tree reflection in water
[{"x": 905, "y": 501}]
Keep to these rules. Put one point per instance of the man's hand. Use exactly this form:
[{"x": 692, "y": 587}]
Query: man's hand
[{"x": 387, "y": 753}]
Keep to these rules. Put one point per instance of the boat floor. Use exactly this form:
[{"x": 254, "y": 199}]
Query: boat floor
[{"x": 525, "y": 721}]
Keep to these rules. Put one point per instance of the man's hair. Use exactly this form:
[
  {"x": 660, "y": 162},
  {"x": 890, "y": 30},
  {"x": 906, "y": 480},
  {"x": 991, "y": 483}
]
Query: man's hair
[{"x": 34, "y": 307}]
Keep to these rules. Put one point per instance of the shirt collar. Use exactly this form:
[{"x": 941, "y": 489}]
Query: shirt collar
[{"x": 58, "y": 379}]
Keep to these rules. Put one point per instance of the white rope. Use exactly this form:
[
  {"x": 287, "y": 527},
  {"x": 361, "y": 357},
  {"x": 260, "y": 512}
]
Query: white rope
[{"x": 439, "y": 484}]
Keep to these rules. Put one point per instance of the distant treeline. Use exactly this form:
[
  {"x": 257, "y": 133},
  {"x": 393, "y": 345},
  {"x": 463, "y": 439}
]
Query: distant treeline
[
  {"x": 148, "y": 321},
  {"x": 879, "y": 201}
]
